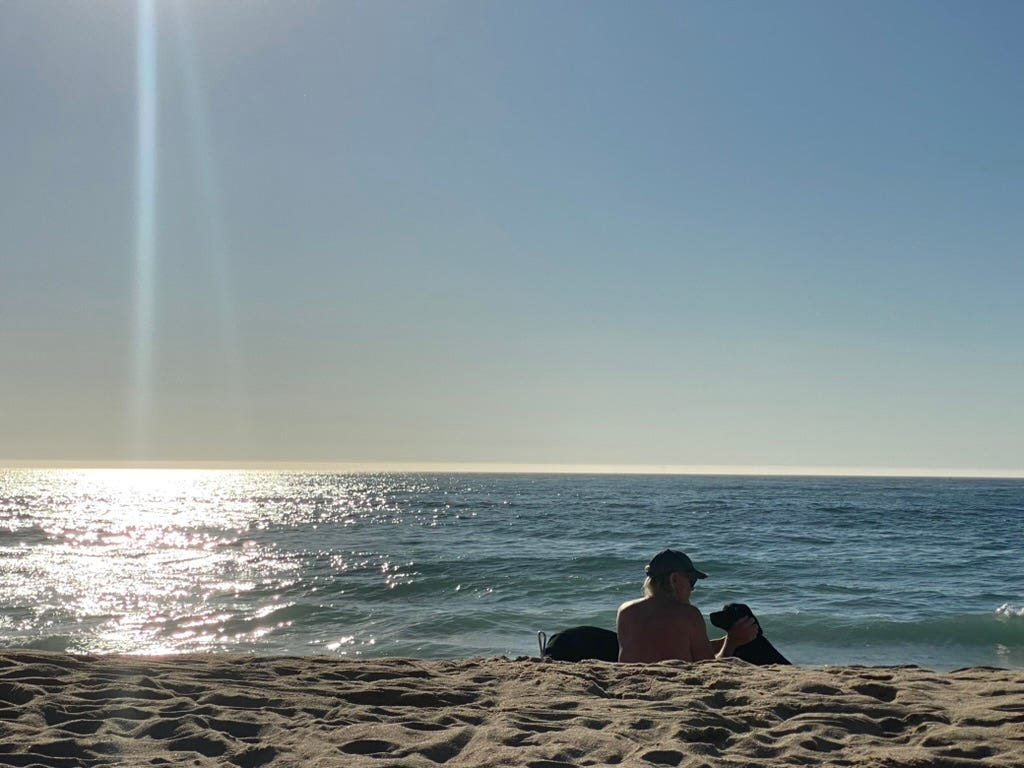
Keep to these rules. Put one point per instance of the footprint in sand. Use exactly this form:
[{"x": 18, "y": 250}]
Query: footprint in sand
[
  {"x": 881, "y": 692},
  {"x": 16, "y": 693},
  {"x": 424, "y": 726},
  {"x": 707, "y": 735},
  {"x": 161, "y": 729},
  {"x": 254, "y": 758},
  {"x": 663, "y": 757},
  {"x": 367, "y": 747},
  {"x": 236, "y": 728},
  {"x": 448, "y": 748},
  {"x": 81, "y": 727},
  {"x": 201, "y": 744}
]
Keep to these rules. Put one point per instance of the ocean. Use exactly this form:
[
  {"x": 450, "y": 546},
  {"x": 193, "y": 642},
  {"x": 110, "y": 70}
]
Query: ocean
[{"x": 839, "y": 570}]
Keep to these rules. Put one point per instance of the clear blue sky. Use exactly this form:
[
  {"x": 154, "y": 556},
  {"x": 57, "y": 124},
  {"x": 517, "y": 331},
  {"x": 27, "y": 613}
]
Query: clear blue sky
[{"x": 729, "y": 233}]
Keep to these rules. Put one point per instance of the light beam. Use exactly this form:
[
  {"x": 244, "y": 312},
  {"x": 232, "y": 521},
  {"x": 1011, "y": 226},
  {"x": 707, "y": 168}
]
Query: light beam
[
  {"x": 212, "y": 217},
  {"x": 141, "y": 410}
]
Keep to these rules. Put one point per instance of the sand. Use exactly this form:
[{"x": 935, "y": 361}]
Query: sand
[{"x": 60, "y": 710}]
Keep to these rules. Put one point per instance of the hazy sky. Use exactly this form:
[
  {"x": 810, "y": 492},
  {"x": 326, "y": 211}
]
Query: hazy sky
[{"x": 730, "y": 233}]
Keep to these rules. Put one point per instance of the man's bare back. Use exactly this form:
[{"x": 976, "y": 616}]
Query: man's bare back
[{"x": 659, "y": 628}]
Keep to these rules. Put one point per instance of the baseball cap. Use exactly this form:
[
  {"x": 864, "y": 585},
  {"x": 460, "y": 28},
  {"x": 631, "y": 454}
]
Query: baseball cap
[{"x": 670, "y": 561}]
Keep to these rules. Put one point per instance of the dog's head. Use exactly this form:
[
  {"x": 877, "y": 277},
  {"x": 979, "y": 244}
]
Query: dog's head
[{"x": 729, "y": 615}]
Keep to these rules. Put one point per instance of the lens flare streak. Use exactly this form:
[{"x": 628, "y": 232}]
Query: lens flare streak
[{"x": 145, "y": 229}]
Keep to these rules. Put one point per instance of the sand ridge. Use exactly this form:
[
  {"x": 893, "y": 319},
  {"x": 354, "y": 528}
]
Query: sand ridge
[{"x": 59, "y": 711}]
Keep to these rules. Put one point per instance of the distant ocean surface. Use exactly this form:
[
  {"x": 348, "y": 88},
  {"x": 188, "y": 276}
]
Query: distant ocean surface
[{"x": 877, "y": 571}]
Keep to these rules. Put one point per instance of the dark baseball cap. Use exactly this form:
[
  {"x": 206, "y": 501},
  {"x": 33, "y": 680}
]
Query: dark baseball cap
[{"x": 671, "y": 561}]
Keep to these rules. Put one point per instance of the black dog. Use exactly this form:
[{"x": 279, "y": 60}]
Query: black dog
[
  {"x": 758, "y": 651},
  {"x": 579, "y": 643}
]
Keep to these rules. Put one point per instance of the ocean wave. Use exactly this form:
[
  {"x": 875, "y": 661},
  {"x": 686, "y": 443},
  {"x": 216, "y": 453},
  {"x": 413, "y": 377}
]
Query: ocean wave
[
  {"x": 1008, "y": 611},
  {"x": 55, "y": 643},
  {"x": 975, "y": 630},
  {"x": 26, "y": 535},
  {"x": 277, "y": 616}
]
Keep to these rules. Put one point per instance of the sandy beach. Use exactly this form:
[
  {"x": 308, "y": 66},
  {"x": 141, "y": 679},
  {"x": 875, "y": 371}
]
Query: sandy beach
[{"x": 60, "y": 710}]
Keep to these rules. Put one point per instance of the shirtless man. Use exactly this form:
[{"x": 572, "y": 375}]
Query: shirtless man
[{"x": 663, "y": 625}]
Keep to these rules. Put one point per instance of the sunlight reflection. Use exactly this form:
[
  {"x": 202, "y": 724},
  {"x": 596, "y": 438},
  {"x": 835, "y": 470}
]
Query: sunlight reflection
[
  {"x": 177, "y": 560},
  {"x": 148, "y": 482},
  {"x": 149, "y": 561}
]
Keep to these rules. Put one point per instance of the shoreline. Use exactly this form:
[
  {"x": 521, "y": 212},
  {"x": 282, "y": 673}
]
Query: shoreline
[{"x": 231, "y": 709}]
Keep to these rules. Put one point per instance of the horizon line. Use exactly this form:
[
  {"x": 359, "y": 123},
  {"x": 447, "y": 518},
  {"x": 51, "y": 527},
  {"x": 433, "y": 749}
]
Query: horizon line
[{"x": 432, "y": 467}]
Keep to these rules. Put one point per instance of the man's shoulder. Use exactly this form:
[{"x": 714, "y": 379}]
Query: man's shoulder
[
  {"x": 691, "y": 613},
  {"x": 665, "y": 608},
  {"x": 630, "y": 603},
  {"x": 685, "y": 612}
]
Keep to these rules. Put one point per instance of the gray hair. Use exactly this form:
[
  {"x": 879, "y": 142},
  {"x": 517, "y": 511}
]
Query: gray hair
[{"x": 659, "y": 584}]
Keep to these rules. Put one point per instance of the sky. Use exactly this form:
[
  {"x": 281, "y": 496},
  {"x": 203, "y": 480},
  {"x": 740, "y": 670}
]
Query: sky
[{"x": 731, "y": 234}]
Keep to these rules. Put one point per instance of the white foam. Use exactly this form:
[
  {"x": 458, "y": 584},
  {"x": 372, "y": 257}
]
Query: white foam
[{"x": 1008, "y": 610}]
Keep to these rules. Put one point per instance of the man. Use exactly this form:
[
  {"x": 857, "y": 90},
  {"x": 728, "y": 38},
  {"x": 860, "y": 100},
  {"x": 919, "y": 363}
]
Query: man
[{"x": 663, "y": 625}]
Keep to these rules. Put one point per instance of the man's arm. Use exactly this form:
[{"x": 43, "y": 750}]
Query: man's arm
[
  {"x": 700, "y": 647},
  {"x": 742, "y": 632}
]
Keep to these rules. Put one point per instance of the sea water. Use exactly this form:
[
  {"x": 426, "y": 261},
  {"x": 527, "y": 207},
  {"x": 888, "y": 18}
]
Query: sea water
[{"x": 875, "y": 571}]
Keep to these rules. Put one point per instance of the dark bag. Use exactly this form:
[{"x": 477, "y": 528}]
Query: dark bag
[{"x": 579, "y": 644}]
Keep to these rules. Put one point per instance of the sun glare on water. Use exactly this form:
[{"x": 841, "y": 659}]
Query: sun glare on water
[{"x": 135, "y": 551}]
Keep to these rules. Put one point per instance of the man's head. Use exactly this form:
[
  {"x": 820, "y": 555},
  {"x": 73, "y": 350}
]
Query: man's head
[{"x": 667, "y": 569}]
